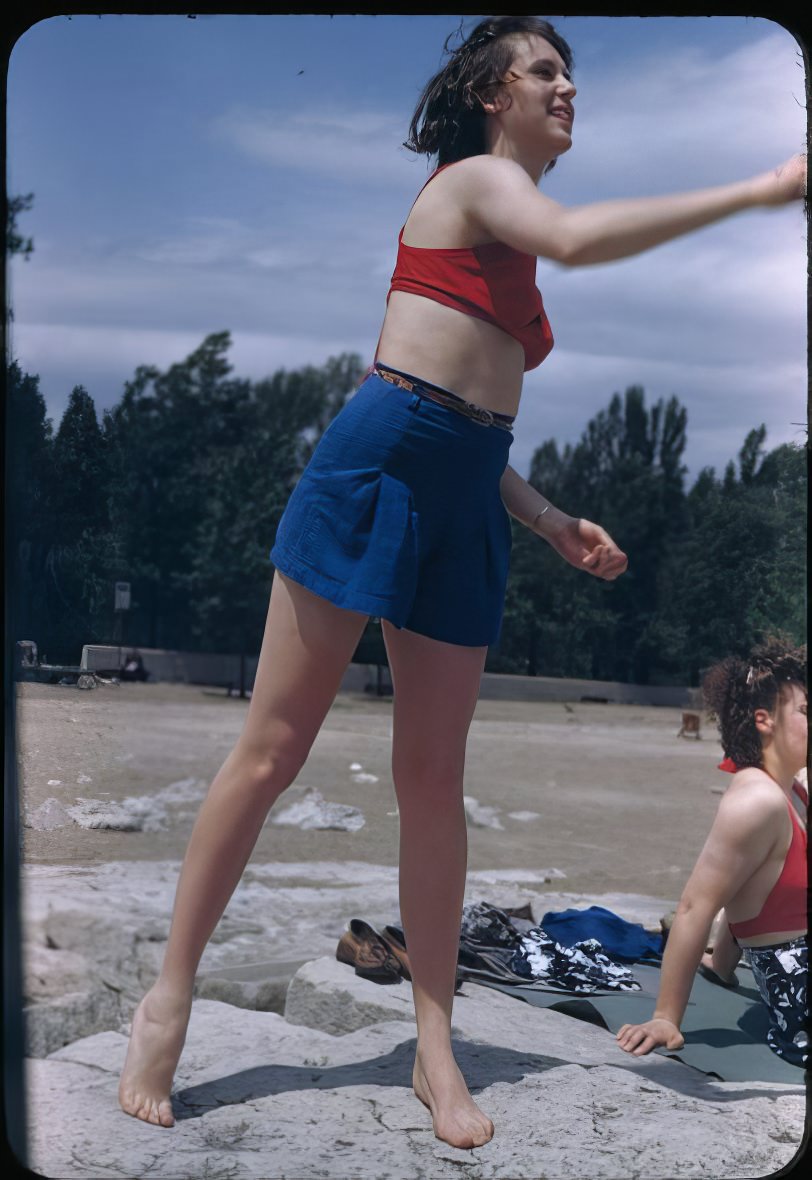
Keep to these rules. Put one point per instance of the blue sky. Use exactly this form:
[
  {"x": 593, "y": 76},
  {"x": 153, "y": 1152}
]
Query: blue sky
[{"x": 245, "y": 173}]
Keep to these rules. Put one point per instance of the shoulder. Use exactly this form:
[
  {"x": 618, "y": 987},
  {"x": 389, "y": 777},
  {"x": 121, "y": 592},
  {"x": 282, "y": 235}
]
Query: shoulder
[
  {"x": 753, "y": 799},
  {"x": 486, "y": 175},
  {"x": 496, "y": 170}
]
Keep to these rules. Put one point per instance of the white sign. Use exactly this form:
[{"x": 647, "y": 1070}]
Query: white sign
[{"x": 122, "y": 596}]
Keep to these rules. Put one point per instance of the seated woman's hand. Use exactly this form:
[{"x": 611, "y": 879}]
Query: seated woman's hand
[
  {"x": 588, "y": 547},
  {"x": 642, "y": 1038}
]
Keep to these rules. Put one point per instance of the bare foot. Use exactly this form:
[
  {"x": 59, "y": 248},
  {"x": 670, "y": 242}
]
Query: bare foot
[
  {"x": 158, "y": 1032},
  {"x": 706, "y": 962},
  {"x": 457, "y": 1118}
]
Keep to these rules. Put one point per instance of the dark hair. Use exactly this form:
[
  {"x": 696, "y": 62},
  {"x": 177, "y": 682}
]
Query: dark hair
[
  {"x": 449, "y": 120},
  {"x": 735, "y": 688}
]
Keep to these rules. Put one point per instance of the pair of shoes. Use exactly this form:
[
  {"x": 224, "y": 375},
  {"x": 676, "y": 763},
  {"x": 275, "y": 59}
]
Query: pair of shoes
[
  {"x": 713, "y": 977},
  {"x": 363, "y": 948},
  {"x": 396, "y": 940}
]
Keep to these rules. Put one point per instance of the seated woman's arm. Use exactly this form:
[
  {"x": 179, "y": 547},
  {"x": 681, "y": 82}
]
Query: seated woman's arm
[{"x": 747, "y": 825}]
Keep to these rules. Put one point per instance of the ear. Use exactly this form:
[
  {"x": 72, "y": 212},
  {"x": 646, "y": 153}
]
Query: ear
[
  {"x": 495, "y": 99},
  {"x": 764, "y": 721}
]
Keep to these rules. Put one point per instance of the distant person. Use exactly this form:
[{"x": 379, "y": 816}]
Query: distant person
[
  {"x": 403, "y": 514},
  {"x": 134, "y": 668},
  {"x": 754, "y": 860}
]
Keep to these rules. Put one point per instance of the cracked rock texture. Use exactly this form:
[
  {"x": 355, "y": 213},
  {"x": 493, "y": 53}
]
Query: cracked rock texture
[
  {"x": 94, "y": 935},
  {"x": 259, "y": 1096}
]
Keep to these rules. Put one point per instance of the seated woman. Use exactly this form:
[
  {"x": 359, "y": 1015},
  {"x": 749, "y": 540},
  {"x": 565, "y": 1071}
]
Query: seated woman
[{"x": 753, "y": 863}]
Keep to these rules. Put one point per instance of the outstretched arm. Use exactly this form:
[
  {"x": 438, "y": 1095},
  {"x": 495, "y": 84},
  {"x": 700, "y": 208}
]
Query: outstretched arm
[
  {"x": 504, "y": 200},
  {"x": 580, "y": 542}
]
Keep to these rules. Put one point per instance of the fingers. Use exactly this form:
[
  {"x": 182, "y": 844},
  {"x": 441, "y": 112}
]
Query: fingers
[
  {"x": 634, "y": 1039},
  {"x": 639, "y": 1039},
  {"x": 605, "y": 561}
]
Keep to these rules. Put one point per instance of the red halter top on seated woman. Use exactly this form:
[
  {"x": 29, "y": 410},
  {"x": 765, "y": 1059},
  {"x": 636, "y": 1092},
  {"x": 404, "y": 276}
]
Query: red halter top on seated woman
[
  {"x": 785, "y": 907},
  {"x": 493, "y": 282}
]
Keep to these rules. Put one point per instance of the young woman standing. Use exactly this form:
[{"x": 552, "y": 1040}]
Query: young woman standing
[{"x": 402, "y": 514}]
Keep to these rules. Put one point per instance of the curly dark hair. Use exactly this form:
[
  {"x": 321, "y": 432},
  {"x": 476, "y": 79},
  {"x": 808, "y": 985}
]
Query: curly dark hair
[
  {"x": 449, "y": 121},
  {"x": 734, "y": 688}
]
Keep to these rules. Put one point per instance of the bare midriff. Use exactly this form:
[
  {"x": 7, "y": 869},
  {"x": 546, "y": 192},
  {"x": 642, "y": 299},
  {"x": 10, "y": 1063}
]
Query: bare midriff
[
  {"x": 757, "y": 940},
  {"x": 472, "y": 358}
]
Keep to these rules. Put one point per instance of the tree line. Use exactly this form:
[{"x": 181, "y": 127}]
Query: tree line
[{"x": 179, "y": 488}]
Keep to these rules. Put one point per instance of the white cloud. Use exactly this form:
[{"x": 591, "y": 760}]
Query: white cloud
[
  {"x": 351, "y": 145},
  {"x": 723, "y": 400},
  {"x": 684, "y": 119},
  {"x": 102, "y": 358}
]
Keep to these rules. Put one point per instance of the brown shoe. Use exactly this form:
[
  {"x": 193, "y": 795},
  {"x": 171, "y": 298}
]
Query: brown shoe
[
  {"x": 363, "y": 948},
  {"x": 397, "y": 944}
]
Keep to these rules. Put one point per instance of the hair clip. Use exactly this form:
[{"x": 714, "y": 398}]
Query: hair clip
[{"x": 751, "y": 675}]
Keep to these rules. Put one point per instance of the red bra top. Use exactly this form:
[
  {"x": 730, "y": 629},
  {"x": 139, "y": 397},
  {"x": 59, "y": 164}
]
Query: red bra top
[
  {"x": 493, "y": 282},
  {"x": 785, "y": 908}
]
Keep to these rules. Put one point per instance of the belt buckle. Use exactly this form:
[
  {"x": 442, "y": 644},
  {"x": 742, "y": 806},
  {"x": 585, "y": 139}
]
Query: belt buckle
[
  {"x": 481, "y": 415},
  {"x": 396, "y": 379}
]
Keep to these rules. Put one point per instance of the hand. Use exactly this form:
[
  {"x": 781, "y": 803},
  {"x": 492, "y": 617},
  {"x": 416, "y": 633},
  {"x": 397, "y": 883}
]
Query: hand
[
  {"x": 642, "y": 1038},
  {"x": 785, "y": 183},
  {"x": 588, "y": 547}
]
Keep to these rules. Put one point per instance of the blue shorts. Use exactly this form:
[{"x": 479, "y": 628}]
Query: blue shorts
[{"x": 398, "y": 515}]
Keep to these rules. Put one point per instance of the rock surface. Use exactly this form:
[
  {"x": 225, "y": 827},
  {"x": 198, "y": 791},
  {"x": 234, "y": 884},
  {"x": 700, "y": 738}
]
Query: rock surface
[
  {"x": 94, "y": 936},
  {"x": 259, "y": 1096}
]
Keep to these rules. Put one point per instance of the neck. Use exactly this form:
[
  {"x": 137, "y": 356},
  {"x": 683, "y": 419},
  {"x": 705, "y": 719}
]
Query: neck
[
  {"x": 527, "y": 157},
  {"x": 778, "y": 770}
]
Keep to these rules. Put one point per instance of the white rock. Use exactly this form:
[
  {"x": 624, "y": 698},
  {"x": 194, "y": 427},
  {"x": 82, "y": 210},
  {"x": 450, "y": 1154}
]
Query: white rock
[
  {"x": 130, "y": 815},
  {"x": 314, "y": 812},
  {"x": 480, "y": 815},
  {"x": 50, "y": 814},
  {"x": 257, "y": 1096}
]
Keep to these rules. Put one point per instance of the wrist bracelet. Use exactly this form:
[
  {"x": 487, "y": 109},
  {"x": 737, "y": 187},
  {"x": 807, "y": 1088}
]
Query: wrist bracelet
[{"x": 538, "y": 515}]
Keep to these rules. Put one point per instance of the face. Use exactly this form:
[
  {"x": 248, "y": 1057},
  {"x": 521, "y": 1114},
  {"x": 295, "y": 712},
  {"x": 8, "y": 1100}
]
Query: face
[
  {"x": 539, "y": 93},
  {"x": 789, "y": 730}
]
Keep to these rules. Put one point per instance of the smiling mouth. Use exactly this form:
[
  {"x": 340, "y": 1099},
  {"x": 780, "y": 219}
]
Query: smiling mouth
[{"x": 564, "y": 113}]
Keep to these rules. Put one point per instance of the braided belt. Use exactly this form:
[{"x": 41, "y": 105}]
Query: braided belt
[{"x": 450, "y": 400}]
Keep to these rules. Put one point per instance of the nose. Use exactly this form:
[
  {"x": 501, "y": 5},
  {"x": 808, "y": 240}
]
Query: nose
[{"x": 566, "y": 87}]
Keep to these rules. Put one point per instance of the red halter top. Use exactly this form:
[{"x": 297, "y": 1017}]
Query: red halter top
[
  {"x": 785, "y": 907},
  {"x": 493, "y": 282}
]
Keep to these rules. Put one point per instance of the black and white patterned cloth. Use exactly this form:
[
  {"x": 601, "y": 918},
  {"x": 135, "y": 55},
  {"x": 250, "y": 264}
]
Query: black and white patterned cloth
[
  {"x": 780, "y": 974},
  {"x": 581, "y": 968},
  {"x": 485, "y": 924},
  {"x": 538, "y": 958}
]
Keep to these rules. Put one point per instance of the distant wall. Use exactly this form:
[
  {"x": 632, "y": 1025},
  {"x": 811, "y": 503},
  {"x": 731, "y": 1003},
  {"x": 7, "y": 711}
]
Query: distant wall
[
  {"x": 188, "y": 667},
  {"x": 184, "y": 667},
  {"x": 496, "y": 687}
]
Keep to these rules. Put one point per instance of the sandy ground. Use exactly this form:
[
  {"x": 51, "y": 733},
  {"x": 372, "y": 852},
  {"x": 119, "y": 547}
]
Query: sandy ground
[{"x": 622, "y": 804}]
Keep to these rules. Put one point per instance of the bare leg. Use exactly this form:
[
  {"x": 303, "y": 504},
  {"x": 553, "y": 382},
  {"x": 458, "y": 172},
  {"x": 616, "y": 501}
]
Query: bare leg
[
  {"x": 726, "y": 952},
  {"x": 436, "y": 687},
  {"x": 307, "y": 645}
]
